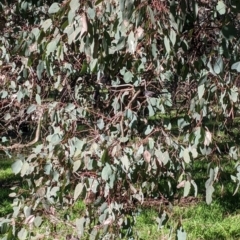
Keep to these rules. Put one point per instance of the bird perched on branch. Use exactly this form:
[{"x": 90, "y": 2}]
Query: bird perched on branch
[{"x": 146, "y": 92}]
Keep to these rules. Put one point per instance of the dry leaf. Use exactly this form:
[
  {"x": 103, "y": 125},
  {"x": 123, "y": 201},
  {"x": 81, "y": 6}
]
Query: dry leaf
[
  {"x": 147, "y": 156},
  {"x": 139, "y": 32},
  {"x": 181, "y": 184}
]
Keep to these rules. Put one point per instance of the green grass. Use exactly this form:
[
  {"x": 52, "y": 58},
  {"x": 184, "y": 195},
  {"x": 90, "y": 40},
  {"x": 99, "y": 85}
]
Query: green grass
[
  {"x": 200, "y": 221},
  {"x": 220, "y": 220},
  {"x": 7, "y": 178}
]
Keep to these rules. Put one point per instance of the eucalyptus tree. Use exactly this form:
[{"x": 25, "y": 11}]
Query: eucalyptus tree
[{"x": 118, "y": 97}]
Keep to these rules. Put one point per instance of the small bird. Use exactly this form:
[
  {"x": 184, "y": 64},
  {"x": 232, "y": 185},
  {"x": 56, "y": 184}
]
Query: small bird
[
  {"x": 105, "y": 80},
  {"x": 149, "y": 93},
  {"x": 146, "y": 92}
]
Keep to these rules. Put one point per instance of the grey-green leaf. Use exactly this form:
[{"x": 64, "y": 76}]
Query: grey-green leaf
[
  {"x": 17, "y": 166},
  {"x": 106, "y": 172},
  {"x": 38, "y": 221},
  {"x": 187, "y": 187},
  {"x": 22, "y": 234},
  {"x": 221, "y": 7},
  {"x": 54, "y": 8},
  {"x": 236, "y": 66},
  {"x": 100, "y": 123},
  {"x": 78, "y": 190}
]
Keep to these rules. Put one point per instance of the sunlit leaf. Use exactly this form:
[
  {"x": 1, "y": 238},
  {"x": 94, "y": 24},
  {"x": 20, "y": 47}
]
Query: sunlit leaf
[
  {"x": 38, "y": 99},
  {"x": 17, "y": 166},
  {"x": 125, "y": 161},
  {"x": 47, "y": 24},
  {"x": 54, "y": 8},
  {"x": 31, "y": 109},
  {"x": 38, "y": 221},
  {"x": 201, "y": 90},
  {"x": 167, "y": 44},
  {"x": 22, "y": 234},
  {"x": 76, "y": 165},
  {"x": 84, "y": 24},
  {"x": 78, "y": 191},
  {"x": 218, "y": 65},
  {"x": 100, "y": 123},
  {"x": 187, "y": 187},
  {"x": 221, "y": 7},
  {"x": 106, "y": 172},
  {"x": 236, "y": 66},
  {"x": 74, "y": 5},
  {"x": 186, "y": 156},
  {"x": 181, "y": 234}
]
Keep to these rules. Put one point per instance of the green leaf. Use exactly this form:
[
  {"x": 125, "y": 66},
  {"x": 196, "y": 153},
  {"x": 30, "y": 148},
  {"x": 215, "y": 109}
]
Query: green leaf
[
  {"x": 236, "y": 66},
  {"x": 128, "y": 76},
  {"x": 209, "y": 65},
  {"x": 55, "y": 139},
  {"x": 195, "y": 188},
  {"x": 181, "y": 234},
  {"x": 167, "y": 44},
  {"x": 84, "y": 67},
  {"x": 186, "y": 156},
  {"x": 221, "y": 7},
  {"x": 20, "y": 95},
  {"x": 25, "y": 168},
  {"x": 93, "y": 64},
  {"x": 162, "y": 157},
  {"x": 17, "y": 166},
  {"x": 182, "y": 123},
  {"x": 106, "y": 172},
  {"x": 40, "y": 69},
  {"x": 126, "y": 163},
  {"x": 120, "y": 44},
  {"x": 22, "y": 234},
  {"x": 38, "y": 99},
  {"x": 54, "y": 8},
  {"x": 80, "y": 225},
  {"x": 76, "y": 165},
  {"x": 13, "y": 194},
  {"x": 100, "y": 123},
  {"x": 91, "y": 13},
  {"x": 234, "y": 94},
  {"x": 123, "y": 139},
  {"x": 187, "y": 187},
  {"x": 209, "y": 193},
  {"x": 38, "y": 221},
  {"x": 31, "y": 109},
  {"x": 132, "y": 43},
  {"x": 97, "y": 2},
  {"x": 74, "y": 5},
  {"x": 78, "y": 191},
  {"x": 105, "y": 157},
  {"x": 148, "y": 129},
  {"x": 94, "y": 235},
  {"x": 218, "y": 66},
  {"x": 201, "y": 90},
  {"x": 52, "y": 46},
  {"x": 173, "y": 36},
  {"x": 47, "y": 24},
  {"x": 48, "y": 168},
  {"x": 4, "y": 94}
]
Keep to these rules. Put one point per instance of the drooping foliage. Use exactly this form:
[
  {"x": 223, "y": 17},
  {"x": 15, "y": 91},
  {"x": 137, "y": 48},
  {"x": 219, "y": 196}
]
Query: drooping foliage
[{"x": 120, "y": 98}]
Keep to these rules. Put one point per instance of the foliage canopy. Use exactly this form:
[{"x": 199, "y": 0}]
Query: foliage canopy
[{"x": 121, "y": 97}]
